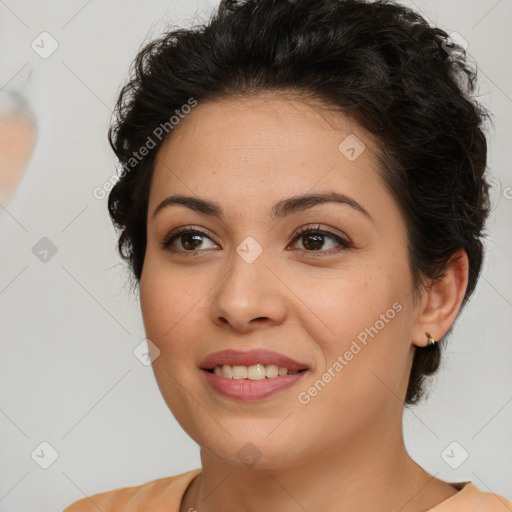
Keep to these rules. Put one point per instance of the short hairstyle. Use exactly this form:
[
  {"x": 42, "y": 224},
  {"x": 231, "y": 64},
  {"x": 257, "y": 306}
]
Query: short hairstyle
[{"x": 378, "y": 62}]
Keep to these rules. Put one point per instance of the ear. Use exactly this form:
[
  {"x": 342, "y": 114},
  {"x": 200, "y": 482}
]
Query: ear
[{"x": 442, "y": 301}]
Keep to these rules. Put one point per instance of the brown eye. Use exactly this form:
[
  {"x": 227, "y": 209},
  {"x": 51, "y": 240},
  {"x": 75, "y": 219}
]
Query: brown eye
[
  {"x": 191, "y": 240},
  {"x": 313, "y": 240}
]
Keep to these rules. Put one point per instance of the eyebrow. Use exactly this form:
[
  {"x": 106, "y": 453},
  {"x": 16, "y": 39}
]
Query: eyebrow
[{"x": 280, "y": 210}]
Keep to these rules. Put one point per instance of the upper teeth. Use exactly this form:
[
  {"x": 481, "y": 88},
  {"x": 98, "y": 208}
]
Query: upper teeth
[{"x": 254, "y": 372}]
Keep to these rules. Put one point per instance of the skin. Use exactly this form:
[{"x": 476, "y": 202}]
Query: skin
[{"x": 344, "y": 450}]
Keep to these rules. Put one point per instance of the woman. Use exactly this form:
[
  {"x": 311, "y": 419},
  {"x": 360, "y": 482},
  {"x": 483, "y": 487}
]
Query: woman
[{"x": 302, "y": 203}]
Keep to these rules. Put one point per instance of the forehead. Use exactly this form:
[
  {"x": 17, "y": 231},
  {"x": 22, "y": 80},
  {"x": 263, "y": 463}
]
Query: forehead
[
  {"x": 265, "y": 148},
  {"x": 259, "y": 126}
]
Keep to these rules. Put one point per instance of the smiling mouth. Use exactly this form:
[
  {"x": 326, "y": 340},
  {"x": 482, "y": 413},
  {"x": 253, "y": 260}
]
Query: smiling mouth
[{"x": 254, "y": 372}]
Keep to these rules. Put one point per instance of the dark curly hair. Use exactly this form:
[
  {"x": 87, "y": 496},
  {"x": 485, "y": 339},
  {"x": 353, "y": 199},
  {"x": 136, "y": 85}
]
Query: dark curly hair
[{"x": 378, "y": 62}]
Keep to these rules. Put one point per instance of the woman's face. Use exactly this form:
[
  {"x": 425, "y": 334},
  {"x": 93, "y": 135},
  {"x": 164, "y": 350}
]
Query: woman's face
[{"x": 339, "y": 302}]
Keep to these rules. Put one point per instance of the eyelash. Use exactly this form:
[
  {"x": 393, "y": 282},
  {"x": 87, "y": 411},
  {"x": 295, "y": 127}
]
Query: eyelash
[{"x": 169, "y": 239}]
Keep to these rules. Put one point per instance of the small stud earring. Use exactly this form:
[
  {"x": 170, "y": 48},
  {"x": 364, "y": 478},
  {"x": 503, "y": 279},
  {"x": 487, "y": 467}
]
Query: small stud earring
[{"x": 431, "y": 341}]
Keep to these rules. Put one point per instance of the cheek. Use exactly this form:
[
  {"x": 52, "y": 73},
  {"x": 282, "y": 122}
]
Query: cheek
[
  {"x": 366, "y": 343},
  {"x": 168, "y": 305},
  {"x": 347, "y": 306},
  {"x": 164, "y": 297},
  {"x": 174, "y": 305}
]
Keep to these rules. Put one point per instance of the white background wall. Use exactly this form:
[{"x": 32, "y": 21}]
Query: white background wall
[{"x": 68, "y": 327}]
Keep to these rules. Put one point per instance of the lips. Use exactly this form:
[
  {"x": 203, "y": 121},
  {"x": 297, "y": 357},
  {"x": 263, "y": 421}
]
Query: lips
[{"x": 250, "y": 358}]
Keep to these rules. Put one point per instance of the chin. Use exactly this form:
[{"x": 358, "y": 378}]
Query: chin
[{"x": 246, "y": 450}]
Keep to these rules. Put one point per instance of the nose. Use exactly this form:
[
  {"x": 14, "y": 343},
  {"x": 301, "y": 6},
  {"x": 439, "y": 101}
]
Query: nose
[{"x": 249, "y": 297}]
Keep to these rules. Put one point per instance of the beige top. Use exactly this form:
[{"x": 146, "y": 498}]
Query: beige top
[{"x": 165, "y": 494}]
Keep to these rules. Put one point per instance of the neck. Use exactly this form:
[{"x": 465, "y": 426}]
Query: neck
[{"x": 372, "y": 472}]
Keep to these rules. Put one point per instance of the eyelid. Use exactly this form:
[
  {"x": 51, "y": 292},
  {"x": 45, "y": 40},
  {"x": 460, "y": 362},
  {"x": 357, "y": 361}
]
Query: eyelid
[{"x": 327, "y": 231}]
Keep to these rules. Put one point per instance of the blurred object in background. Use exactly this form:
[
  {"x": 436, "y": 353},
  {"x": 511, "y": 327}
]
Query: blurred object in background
[{"x": 18, "y": 133}]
